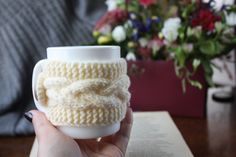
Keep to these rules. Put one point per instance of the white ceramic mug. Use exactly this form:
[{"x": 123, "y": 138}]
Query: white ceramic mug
[{"x": 77, "y": 54}]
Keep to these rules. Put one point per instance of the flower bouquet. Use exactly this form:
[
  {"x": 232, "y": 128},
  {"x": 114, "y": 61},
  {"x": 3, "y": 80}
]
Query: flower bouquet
[{"x": 189, "y": 32}]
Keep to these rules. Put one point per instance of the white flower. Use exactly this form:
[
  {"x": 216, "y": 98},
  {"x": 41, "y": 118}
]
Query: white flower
[
  {"x": 111, "y": 4},
  {"x": 155, "y": 45},
  {"x": 143, "y": 42},
  {"x": 218, "y": 26},
  {"x": 228, "y": 2},
  {"x": 194, "y": 31},
  {"x": 205, "y": 1},
  {"x": 231, "y": 19},
  {"x": 128, "y": 24},
  {"x": 130, "y": 56},
  {"x": 133, "y": 16},
  {"x": 218, "y": 4},
  {"x": 172, "y": 55},
  {"x": 187, "y": 47},
  {"x": 119, "y": 34},
  {"x": 105, "y": 30},
  {"x": 170, "y": 29}
]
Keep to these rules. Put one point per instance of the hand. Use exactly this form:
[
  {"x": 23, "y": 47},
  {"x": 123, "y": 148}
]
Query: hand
[{"x": 53, "y": 143}]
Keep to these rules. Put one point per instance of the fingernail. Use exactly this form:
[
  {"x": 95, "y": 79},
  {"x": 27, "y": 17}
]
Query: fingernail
[{"x": 28, "y": 116}]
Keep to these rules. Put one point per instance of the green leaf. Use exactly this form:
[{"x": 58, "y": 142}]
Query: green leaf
[
  {"x": 208, "y": 72},
  {"x": 177, "y": 69},
  {"x": 207, "y": 67},
  {"x": 183, "y": 85},
  {"x": 219, "y": 27},
  {"x": 233, "y": 41},
  {"x": 195, "y": 84},
  {"x": 209, "y": 80},
  {"x": 219, "y": 47},
  {"x": 181, "y": 57},
  {"x": 208, "y": 47},
  {"x": 196, "y": 63},
  {"x": 181, "y": 32}
]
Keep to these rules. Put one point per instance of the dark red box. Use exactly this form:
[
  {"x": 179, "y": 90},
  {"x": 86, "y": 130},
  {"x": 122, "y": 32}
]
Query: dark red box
[{"x": 155, "y": 86}]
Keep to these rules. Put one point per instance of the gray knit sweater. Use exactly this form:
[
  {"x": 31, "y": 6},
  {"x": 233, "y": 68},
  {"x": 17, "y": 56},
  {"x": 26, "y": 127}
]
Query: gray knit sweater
[{"x": 27, "y": 28}]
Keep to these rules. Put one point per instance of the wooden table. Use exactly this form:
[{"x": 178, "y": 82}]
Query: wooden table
[{"x": 213, "y": 136}]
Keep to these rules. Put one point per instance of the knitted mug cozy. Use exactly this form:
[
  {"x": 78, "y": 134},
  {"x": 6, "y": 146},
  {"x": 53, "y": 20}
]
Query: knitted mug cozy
[{"x": 84, "y": 93}]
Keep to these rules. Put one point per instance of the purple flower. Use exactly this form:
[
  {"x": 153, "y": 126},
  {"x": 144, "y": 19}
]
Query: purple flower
[
  {"x": 139, "y": 25},
  {"x": 136, "y": 36},
  {"x": 150, "y": 22}
]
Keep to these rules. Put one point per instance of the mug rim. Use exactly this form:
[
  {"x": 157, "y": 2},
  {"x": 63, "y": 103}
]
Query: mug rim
[
  {"x": 84, "y": 47},
  {"x": 84, "y": 53}
]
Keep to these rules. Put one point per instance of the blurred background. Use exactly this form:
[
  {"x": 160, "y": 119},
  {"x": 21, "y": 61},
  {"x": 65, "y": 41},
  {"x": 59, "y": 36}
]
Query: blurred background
[{"x": 28, "y": 27}]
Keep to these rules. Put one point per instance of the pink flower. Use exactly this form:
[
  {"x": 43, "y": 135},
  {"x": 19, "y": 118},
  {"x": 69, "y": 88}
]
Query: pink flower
[
  {"x": 112, "y": 18},
  {"x": 146, "y": 3},
  {"x": 156, "y": 44}
]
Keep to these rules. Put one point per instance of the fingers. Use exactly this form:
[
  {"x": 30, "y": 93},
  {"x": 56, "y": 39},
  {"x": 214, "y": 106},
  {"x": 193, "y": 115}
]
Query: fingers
[
  {"x": 129, "y": 116},
  {"x": 43, "y": 128},
  {"x": 107, "y": 139},
  {"x": 121, "y": 138}
]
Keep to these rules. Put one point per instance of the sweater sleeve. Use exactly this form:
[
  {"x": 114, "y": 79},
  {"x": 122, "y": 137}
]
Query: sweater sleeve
[{"x": 27, "y": 28}]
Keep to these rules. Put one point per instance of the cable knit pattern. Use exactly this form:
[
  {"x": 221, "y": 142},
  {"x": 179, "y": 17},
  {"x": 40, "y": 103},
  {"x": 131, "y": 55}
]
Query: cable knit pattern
[{"x": 84, "y": 94}]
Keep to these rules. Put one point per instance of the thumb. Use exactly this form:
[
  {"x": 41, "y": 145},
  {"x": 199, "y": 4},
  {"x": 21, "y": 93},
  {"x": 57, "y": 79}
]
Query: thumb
[{"x": 42, "y": 127}]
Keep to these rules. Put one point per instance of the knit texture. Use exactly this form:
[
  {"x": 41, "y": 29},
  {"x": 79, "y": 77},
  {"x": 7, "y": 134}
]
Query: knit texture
[{"x": 85, "y": 93}]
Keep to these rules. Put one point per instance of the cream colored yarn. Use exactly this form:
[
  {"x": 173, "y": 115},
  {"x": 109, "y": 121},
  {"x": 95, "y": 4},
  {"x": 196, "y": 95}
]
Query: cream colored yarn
[{"x": 84, "y": 94}]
